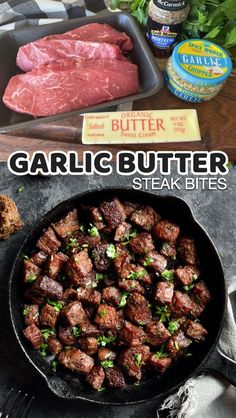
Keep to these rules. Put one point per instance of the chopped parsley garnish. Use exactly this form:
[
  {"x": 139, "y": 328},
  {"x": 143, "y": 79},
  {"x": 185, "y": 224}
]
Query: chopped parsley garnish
[
  {"x": 25, "y": 257},
  {"x": 54, "y": 364},
  {"x": 189, "y": 287},
  {"x": 57, "y": 305},
  {"x": 31, "y": 278},
  {"x": 123, "y": 300},
  {"x": 173, "y": 326},
  {"x": 137, "y": 359},
  {"x": 43, "y": 350},
  {"x": 101, "y": 389},
  {"x": 188, "y": 355},
  {"x": 133, "y": 233},
  {"x": 136, "y": 274},
  {"x": 82, "y": 227},
  {"x": 76, "y": 331},
  {"x": 111, "y": 251},
  {"x": 21, "y": 189},
  {"x": 99, "y": 276},
  {"x": 161, "y": 354},
  {"x": 71, "y": 243},
  {"x": 168, "y": 275},
  {"x": 48, "y": 332},
  {"x": 26, "y": 311},
  {"x": 103, "y": 341},
  {"x": 163, "y": 313},
  {"x": 107, "y": 363},
  {"x": 148, "y": 261},
  {"x": 174, "y": 257},
  {"x": 93, "y": 232},
  {"x": 176, "y": 344},
  {"x": 103, "y": 313}
]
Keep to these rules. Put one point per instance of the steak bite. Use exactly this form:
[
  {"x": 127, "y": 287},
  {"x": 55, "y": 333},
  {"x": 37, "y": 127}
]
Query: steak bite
[
  {"x": 48, "y": 242},
  {"x": 69, "y": 295},
  {"x": 195, "y": 330},
  {"x": 181, "y": 304},
  {"x": 34, "y": 336},
  {"x": 95, "y": 217},
  {"x": 122, "y": 262},
  {"x": 115, "y": 377},
  {"x": 44, "y": 286},
  {"x": 90, "y": 330},
  {"x": 164, "y": 293},
  {"x": 34, "y": 298},
  {"x": 67, "y": 225},
  {"x": 101, "y": 260},
  {"x": 122, "y": 232},
  {"x": 96, "y": 377},
  {"x": 131, "y": 335},
  {"x": 113, "y": 212},
  {"x": 89, "y": 345},
  {"x": 145, "y": 217},
  {"x": 105, "y": 354},
  {"x": 107, "y": 317},
  {"x": 130, "y": 286},
  {"x": 66, "y": 336},
  {"x": 132, "y": 359},
  {"x": 187, "y": 274},
  {"x": 166, "y": 231},
  {"x": 48, "y": 316},
  {"x": 159, "y": 363},
  {"x": 54, "y": 345},
  {"x": 187, "y": 251},
  {"x": 111, "y": 295},
  {"x": 157, "y": 333},
  {"x": 88, "y": 296},
  {"x": 55, "y": 263},
  {"x": 154, "y": 261},
  {"x": 177, "y": 344},
  {"x": 79, "y": 267},
  {"x": 201, "y": 293},
  {"x": 31, "y": 314},
  {"x": 129, "y": 207},
  {"x": 39, "y": 258},
  {"x": 137, "y": 309},
  {"x": 142, "y": 243},
  {"x": 74, "y": 314},
  {"x": 31, "y": 271},
  {"x": 76, "y": 360},
  {"x": 168, "y": 250}
]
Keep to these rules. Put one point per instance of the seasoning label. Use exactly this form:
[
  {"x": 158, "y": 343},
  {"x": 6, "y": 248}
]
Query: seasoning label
[
  {"x": 151, "y": 126},
  {"x": 203, "y": 59},
  {"x": 162, "y": 36},
  {"x": 171, "y": 5}
]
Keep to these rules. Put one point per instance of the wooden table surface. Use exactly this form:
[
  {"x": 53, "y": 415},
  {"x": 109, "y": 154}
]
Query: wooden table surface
[{"x": 217, "y": 120}]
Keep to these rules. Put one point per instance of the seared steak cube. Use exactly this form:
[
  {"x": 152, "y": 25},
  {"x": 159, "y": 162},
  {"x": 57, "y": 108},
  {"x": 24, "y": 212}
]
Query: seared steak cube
[
  {"x": 187, "y": 251},
  {"x": 79, "y": 267},
  {"x": 44, "y": 286},
  {"x": 34, "y": 336},
  {"x": 168, "y": 250},
  {"x": 96, "y": 218},
  {"x": 201, "y": 293},
  {"x": 31, "y": 314},
  {"x": 55, "y": 263},
  {"x": 131, "y": 335},
  {"x": 197, "y": 308},
  {"x": 107, "y": 317},
  {"x": 67, "y": 225},
  {"x": 177, "y": 344},
  {"x": 48, "y": 242},
  {"x": 113, "y": 212},
  {"x": 164, "y": 293},
  {"x": 66, "y": 336},
  {"x": 195, "y": 330},
  {"x": 157, "y": 333},
  {"x": 105, "y": 354},
  {"x": 100, "y": 258},
  {"x": 137, "y": 309},
  {"x": 181, "y": 304},
  {"x": 69, "y": 295},
  {"x": 129, "y": 207},
  {"x": 88, "y": 296},
  {"x": 130, "y": 286},
  {"x": 90, "y": 330},
  {"x": 111, "y": 295},
  {"x": 96, "y": 377},
  {"x": 39, "y": 258},
  {"x": 48, "y": 316},
  {"x": 31, "y": 271},
  {"x": 159, "y": 363},
  {"x": 54, "y": 345},
  {"x": 132, "y": 359},
  {"x": 74, "y": 314},
  {"x": 76, "y": 360},
  {"x": 142, "y": 243},
  {"x": 115, "y": 377},
  {"x": 145, "y": 217},
  {"x": 166, "y": 231},
  {"x": 122, "y": 232},
  {"x": 154, "y": 261},
  {"x": 89, "y": 345},
  {"x": 187, "y": 274},
  {"x": 34, "y": 298},
  {"x": 121, "y": 262}
]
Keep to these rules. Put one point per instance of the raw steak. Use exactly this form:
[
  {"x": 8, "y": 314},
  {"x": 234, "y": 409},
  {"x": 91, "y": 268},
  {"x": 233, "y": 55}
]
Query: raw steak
[
  {"x": 70, "y": 84},
  {"x": 98, "y": 32},
  {"x": 43, "y": 52}
]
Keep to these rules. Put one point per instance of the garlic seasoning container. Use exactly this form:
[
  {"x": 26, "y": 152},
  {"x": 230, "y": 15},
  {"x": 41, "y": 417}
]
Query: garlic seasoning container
[
  {"x": 197, "y": 70},
  {"x": 164, "y": 24}
]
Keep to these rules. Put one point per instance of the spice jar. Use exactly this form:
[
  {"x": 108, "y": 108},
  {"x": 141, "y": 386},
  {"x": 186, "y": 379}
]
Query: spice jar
[
  {"x": 164, "y": 24},
  {"x": 197, "y": 70}
]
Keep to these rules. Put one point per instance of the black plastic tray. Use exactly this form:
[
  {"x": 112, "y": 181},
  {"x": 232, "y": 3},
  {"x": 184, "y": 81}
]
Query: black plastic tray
[{"x": 150, "y": 76}]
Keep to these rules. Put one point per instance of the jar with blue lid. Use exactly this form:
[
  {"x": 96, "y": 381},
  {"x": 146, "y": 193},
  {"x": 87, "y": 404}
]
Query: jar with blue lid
[{"x": 197, "y": 70}]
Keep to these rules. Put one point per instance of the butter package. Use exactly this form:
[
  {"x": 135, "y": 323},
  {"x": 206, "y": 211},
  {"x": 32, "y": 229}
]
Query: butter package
[{"x": 144, "y": 127}]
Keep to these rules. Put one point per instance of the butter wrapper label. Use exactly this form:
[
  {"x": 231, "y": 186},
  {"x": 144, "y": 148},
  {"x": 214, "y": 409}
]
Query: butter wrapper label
[{"x": 141, "y": 127}]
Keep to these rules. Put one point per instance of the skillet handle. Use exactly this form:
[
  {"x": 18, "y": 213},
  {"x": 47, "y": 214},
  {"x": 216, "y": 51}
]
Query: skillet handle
[{"x": 222, "y": 365}]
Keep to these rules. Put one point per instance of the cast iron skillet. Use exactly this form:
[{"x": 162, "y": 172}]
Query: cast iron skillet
[{"x": 205, "y": 356}]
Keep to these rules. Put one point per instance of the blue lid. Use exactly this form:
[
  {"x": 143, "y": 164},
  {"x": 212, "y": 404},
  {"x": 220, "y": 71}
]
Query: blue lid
[{"x": 201, "y": 62}]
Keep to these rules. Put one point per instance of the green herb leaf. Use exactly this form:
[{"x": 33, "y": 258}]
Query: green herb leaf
[
  {"x": 93, "y": 232},
  {"x": 168, "y": 275},
  {"x": 111, "y": 251},
  {"x": 26, "y": 311},
  {"x": 54, "y": 364},
  {"x": 57, "y": 304},
  {"x": 48, "y": 332},
  {"x": 103, "y": 313},
  {"x": 123, "y": 300},
  {"x": 21, "y": 189},
  {"x": 188, "y": 287},
  {"x": 103, "y": 341},
  {"x": 71, "y": 243},
  {"x": 148, "y": 261},
  {"x": 99, "y": 277},
  {"x": 101, "y": 389},
  {"x": 25, "y": 257},
  {"x": 76, "y": 331},
  {"x": 163, "y": 313},
  {"x": 107, "y": 363},
  {"x": 43, "y": 350},
  {"x": 137, "y": 359},
  {"x": 31, "y": 278},
  {"x": 173, "y": 326},
  {"x": 136, "y": 274}
]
